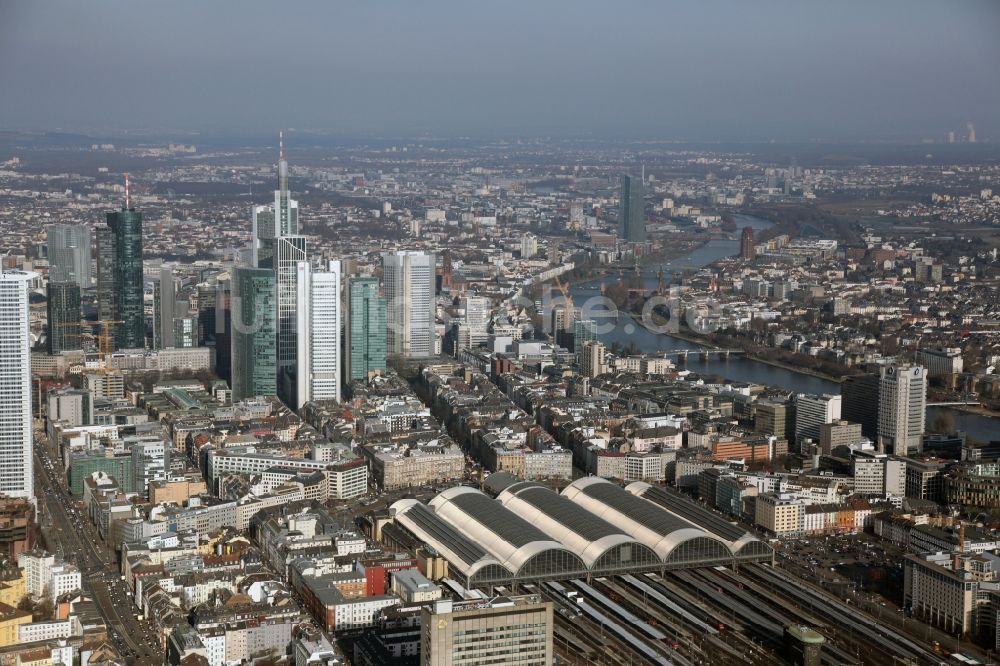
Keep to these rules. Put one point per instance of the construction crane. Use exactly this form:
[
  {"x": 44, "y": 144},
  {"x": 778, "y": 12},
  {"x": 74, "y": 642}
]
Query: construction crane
[
  {"x": 565, "y": 292},
  {"x": 103, "y": 338}
]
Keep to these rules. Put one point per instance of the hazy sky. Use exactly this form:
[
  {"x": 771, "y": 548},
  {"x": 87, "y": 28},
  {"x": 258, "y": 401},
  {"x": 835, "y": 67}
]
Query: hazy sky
[{"x": 702, "y": 69}]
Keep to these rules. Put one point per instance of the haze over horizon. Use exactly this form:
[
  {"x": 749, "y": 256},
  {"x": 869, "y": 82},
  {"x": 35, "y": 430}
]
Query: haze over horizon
[{"x": 718, "y": 70}]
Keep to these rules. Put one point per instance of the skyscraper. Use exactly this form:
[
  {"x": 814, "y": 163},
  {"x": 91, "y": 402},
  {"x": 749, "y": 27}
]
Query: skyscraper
[
  {"x": 410, "y": 307},
  {"x": 69, "y": 254},
  {"x": 16, "y": 468},
  {"x": 274, "y": 220},
  {"x": 584, "y": 330},
  {"x": 105, "y": 273},
  {"x": 254, "y": 333},
  {"x": 860, "y": 402},
  {"x": 63, "y": 316},
  {"x": 811, "y": 412},
  {"x": 319, "y": 355},
  {"x": 164, "y": 309},
  {"x": 632, "y": 211},
  {"x": 126, "y": 232},
  {"x": 747, "y": 249},
  {"x": 902, "y": 406},
  {"x": 365, "y": 342},
  {"x": 289, "y": 252}
]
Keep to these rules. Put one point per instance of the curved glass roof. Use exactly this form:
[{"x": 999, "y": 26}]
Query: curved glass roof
[
  {"x": 508, "y": 537},
  {"x": 676, "y": 503},
  {"x": 647, "y": 522},
  {"x": 585, "y": 534},
  {"x": 453, "y": 544}
]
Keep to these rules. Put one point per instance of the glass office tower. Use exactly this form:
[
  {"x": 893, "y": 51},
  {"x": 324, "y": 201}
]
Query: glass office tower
[{"x": 254, "y": 333}]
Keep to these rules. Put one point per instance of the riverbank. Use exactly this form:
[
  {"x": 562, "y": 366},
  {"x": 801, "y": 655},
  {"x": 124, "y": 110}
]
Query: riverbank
[
  {"x": 697, "y": 339},
  {"x": 649, "y": 262}
]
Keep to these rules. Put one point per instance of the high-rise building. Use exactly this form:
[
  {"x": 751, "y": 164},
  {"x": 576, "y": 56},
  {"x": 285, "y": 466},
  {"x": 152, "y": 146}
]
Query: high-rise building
[
  {"x": 772, "y": 418},
  {"x": 16, "y": 468},
  {"x": 185, "y": 332},
  {"x": 584, "y": 330},
  {"x": 319, "y": 353},
  {"x": 254, "y": 333},
  {"x": 529, "y": 246},
  {"x": 632, "y": 211},
  {"x": 206, "y": 305},
  {"x": 747, "y": 249},
  {"x": 164, "y": 309},
  {"x": 593, "y": 362},
  {"x": 902, "y": 407},
  {"x": 811, "y": 412},
  {"x": 64, "y": 317},
  {"x": 275, "y": 220},
  {"x": 223, "y": 329},
  {"x": 105, "y": 273},
  {"x": 69, "y": 254},
  {"x": 410, "y": 308},
  {"x": 860, "y": 402},
  {"x": 514, "y": 630},
  {"x": 365, "y": 331},
  {"x": 126, "y": 232},
  {"x": 290, "y": 251}
]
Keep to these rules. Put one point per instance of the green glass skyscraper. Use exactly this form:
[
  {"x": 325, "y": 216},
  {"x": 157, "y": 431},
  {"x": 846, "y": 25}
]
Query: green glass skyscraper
[
  {"x": 64, "y": 316},
  {"x": 631, "y": 212},
  {"x": 254, "y": 333},
  {"x": 365, "y": 339},
  {"x": 126, "y": 236}
]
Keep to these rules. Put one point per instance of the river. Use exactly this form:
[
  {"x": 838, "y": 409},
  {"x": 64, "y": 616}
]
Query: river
[{"x": 624, "y": 330}]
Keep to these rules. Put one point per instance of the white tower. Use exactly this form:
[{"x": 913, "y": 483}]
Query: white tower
[
  {"x": 16, "y": 461},
  {"x": 409, "y": 294},
  {"x": 902, "y": 409},
  {"x": 318, "y": 330}
]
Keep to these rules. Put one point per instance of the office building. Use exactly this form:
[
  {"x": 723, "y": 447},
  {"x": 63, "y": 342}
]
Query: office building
[
  {"x": 902, "y": 409},
  {"x": 275, "y": 220},
  {"x": 410, "y": 308},
  {"x": 747, "y": 249},
  {"x": 223, "y": 329},
  {"x": 68, "y": 248},
  {"x": 254, "y": 333},
  {"x": 839, "y": 433},
  {"x": 514, "y": 630},
  {"x": 164, "y": 309},
  {"x": 63, "y": 308},
  {"x": 318, "y": 329},
  {"x": 289, "y": 252},
  {"x": 811, "y": 412},
  {"x": 878, "y": 474},
  {"x": 365, "y": 331},
  {"x": 185, "y": 333},
  {"x": 939, "y": 591},
  {"x": 74, "y": 407},
  {"x": 16, "y": 461},
  {"x": 105, "y": 273},
  {"x": 592, "y": 359},
  {"x": 859, "y": 394},
  {"x": 584, "y": 331},
  {"x": 529, "y": 246},
  {"x": 772, "y": 418},
  {"x": 126, "y": 241},
  {"x": 632, "y": 212},
  {"x": 941, "y": 362},
  {"x": 779, "y": 514}
]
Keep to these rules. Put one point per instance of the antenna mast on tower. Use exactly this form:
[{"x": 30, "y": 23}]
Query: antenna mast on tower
[{"x": 126, "y": 192}]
